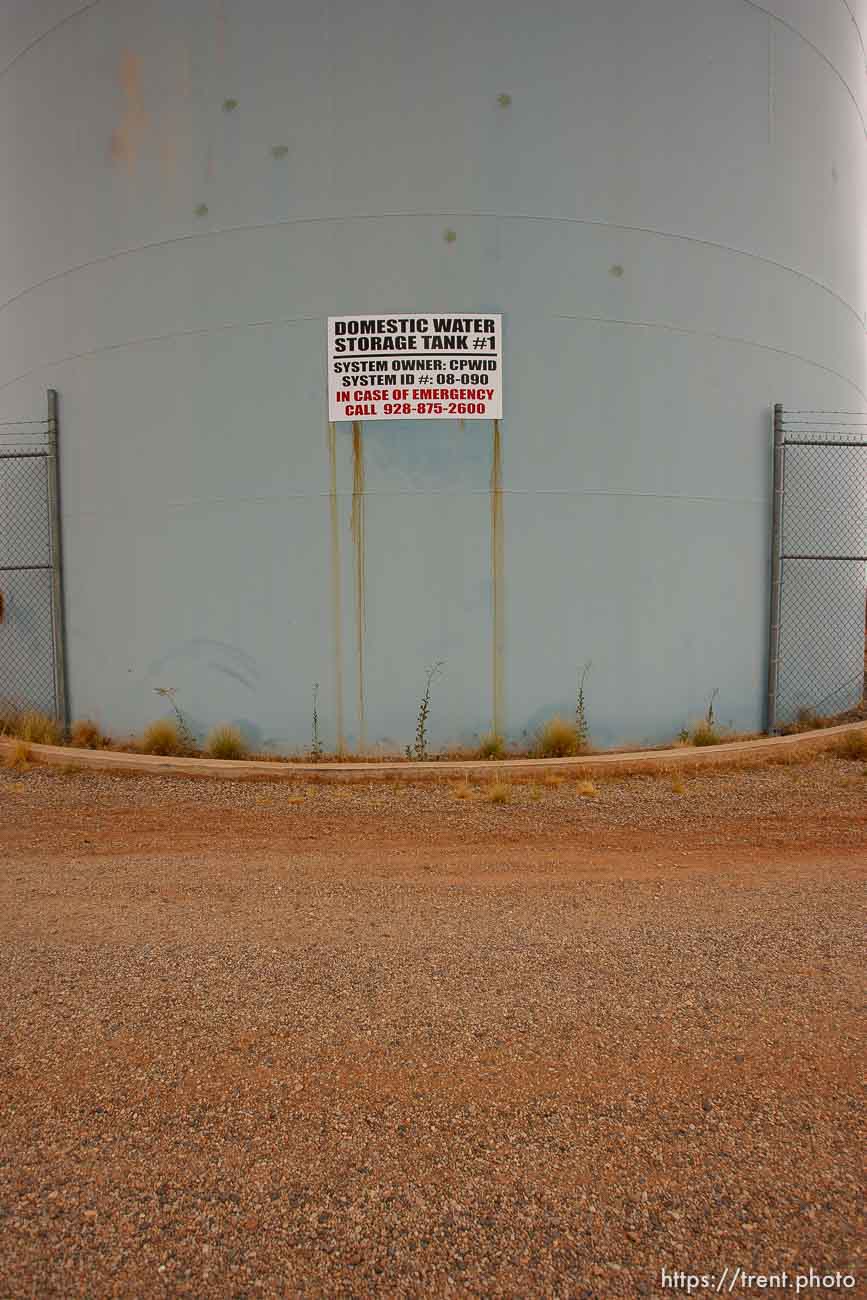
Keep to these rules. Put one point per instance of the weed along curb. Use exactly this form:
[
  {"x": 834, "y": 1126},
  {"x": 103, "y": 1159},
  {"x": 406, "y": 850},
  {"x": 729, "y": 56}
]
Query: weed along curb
[{"x": 740, "y": 753}]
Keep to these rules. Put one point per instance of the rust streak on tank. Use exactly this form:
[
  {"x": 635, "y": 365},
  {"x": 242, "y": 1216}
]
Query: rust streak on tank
[
  {"x": 497, "y": 554},
  {"x": 336, "y": 599},
  {"x": 357, "y": 527},
  {"x": 125, "y": 140}
]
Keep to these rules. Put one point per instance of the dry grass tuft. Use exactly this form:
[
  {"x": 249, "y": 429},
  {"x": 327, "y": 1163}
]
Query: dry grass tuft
[
  {"x": 677, "y": 785},
  {"x": 225, "y": 741},
  {"x": 462, "y": 790},
  {"x": 852, "y": 747},
  {"x": 558, "y": 738},
  {"x": 491, "y": 746},
  {"x": 38, "y": 728},
  {"x": 553, "y": 779},
  {"x": 704, "y": 733},
  {"x": 85, "y": 734},
  {"x": 807, "y": 720},
  {"x": 9, "y": 717},
  {"x": 499, "y": 792},
  {"x": 163, "y": 737},
  {"x": 587, "y": 790},
  {"x": 18, "y": 757}
]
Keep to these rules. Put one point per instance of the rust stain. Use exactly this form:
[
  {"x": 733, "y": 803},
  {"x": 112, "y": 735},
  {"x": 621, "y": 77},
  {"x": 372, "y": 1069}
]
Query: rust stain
[
  {"x": 125, "y": 140},
  {"x": 497, "y": 567},
  {"x": 357, "y": 526},
  {"x": 220, "y": 31},
  {"x": 336, "y": 601}
]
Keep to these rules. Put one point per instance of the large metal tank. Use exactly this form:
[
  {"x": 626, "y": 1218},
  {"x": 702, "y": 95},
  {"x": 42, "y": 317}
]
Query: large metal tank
[{"x": 664, "y": 200}]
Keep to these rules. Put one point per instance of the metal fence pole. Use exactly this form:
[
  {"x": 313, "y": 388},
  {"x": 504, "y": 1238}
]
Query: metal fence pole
[
  {"x": 57, "y": 619},
  {"x": 779, "y": 488}
]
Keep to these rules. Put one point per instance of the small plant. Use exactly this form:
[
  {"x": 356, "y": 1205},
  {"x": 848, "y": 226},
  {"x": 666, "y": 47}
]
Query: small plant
[
  {"x": 18, "y": 758},
  {"x": 316, "y": 744},
  {"x": 587, "y": 790},
  {"x": 38, "y": 728},
  {"x": 186, "y": 736},
  {"x": 420, "y": 752},
  {"x": 558, "y": 738},
  {"x": 677, "y": 785},
  {"x": 553, "y": 779},
  {"x": 462, "y": 790},
  {"x": 491, "y": 746},
  {"x": 163, "y": 737},
  {"x": 853, "y": 746},
  {"x": 499, "y": 792},
  {"x": 225, "y": 741},
  {"x": 705, "y": 732},
  {"x": 581, "y": 729},
  {"x": 85, "y": 734}
]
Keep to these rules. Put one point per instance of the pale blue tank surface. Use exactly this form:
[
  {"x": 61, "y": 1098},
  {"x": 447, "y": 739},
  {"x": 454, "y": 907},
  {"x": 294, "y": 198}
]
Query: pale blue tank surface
[{"x": 663, "y": 199}]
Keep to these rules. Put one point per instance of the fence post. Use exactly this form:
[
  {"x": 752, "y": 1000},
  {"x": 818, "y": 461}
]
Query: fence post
[
  {"x": 779, "y": 488},
  {"x": 57, "y": 619}
]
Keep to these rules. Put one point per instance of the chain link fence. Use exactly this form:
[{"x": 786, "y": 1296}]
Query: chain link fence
[
  {"x": 31, "y": 599},
  {"x": 818, "y": 565}
]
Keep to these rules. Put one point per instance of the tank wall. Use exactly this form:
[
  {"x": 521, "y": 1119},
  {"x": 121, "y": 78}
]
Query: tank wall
[{"x": 666, "y": 213}]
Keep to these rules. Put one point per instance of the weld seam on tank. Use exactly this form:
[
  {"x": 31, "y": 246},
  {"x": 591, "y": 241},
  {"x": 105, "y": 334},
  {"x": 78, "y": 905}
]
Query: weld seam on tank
[
  {"x": 430, "y": 492},
  {"x": 470, "y": 214},
  {"x": 62, "y": 23},
  {"x": 600, "y": 320},
  {"x": 836, "y": 71}
]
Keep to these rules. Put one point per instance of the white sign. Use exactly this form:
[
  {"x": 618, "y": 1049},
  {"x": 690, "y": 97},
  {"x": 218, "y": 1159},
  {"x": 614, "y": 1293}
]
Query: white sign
[{"x": 415, "y": 367}]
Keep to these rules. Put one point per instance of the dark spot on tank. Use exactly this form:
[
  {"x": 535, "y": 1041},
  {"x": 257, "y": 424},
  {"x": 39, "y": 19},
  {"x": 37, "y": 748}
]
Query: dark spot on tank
[
  {"x": 279, "y": 150},
  {"x": 229, "y": 105},
  {"x": 505, "y": 101},
  {"x": 616, "y": 270},
  {"x": 835, "y": 175},
  {"x": 201, "y": 209},
  {"x": 450, "y": 236}
]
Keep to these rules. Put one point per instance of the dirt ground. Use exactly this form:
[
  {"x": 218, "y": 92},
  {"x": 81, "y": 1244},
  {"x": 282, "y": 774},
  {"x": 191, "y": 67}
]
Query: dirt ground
[{"x": 267, "y": 1040}]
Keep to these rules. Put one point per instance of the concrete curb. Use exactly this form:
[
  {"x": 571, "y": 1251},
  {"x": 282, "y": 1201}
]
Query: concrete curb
[{"x": 739, "y": 753}]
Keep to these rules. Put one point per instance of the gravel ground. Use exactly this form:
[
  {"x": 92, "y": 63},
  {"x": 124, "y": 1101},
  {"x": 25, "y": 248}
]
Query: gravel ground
[{"x": 262, "y": 1040}]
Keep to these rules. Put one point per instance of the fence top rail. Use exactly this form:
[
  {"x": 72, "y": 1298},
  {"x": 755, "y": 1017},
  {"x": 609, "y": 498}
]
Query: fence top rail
[
  {"x": 842, "y": 559},
  {"x": 857, "y": 443}
]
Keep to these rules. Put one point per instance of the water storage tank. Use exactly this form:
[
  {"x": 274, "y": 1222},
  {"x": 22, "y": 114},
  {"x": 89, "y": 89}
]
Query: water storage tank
[{"x": 663, "y": 199}]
